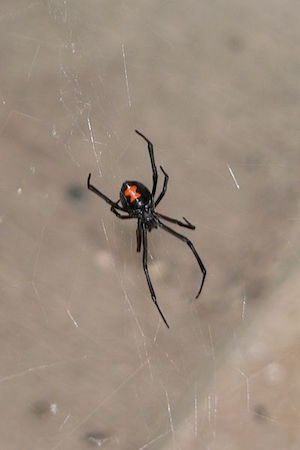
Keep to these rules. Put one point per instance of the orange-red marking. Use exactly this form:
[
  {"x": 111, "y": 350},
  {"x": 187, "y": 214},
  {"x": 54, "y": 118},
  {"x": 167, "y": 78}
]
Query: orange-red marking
[{"x": 131, "y": 192}]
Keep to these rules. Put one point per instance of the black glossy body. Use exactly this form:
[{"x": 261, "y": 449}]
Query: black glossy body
[{"x": 139, "y": 203}]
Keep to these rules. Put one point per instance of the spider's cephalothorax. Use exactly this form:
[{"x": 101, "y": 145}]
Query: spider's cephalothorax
[{"x": 139, "y": 203}]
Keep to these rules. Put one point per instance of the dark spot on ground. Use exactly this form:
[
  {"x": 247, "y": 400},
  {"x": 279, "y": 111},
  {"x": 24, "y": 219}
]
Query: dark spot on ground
[
  {"x": 76, "y": 192},
  {"x": 260, "y": 413},
  {"x": 95, "y": 438},
  {"x": 40, "y": 408},
  {"x": 235, "y": 43}
]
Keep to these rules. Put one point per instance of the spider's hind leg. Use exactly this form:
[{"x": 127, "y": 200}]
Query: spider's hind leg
[
  {"x": 138, "y": 236},
  {"x": 145, "y": 265},
  {"x": 191, "y": 245},
  {"x": 120, "y": 216}
]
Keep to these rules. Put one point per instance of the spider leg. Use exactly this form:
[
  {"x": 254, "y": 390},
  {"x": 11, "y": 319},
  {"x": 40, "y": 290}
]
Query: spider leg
[
  {"x": 190, "y": 244},
  {"x": 104, "y": 197},
  {"x": 121, "y": 216},
  {"x": 187, "y": 224},
  {"x": 145, "y": 265},
  {"x": 164, "y": 189},
  {"x": 151, "y": 154},
  {"x": 138, "y": 236}
]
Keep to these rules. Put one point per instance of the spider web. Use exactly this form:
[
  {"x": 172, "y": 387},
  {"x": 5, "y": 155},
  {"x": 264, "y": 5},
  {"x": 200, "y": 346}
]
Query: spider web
[{"x": 86, "y": 361}]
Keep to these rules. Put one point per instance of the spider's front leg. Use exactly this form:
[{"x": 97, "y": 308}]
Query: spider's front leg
[
  {"x": 153, "y": 165},
  {"x": 165, "y": 186},
  {"x": 185, "y": 224},
  {"x": 103, "y": 196}
]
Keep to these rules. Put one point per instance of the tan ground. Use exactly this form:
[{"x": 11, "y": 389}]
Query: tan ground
[{"x": 85, "y": 360}]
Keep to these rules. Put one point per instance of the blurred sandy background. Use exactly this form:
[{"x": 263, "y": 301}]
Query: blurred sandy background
[{"x": 85, "y": 360}]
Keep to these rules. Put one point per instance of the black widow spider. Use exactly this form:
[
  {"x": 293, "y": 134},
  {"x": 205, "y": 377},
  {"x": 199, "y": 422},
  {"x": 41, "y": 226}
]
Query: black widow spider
[{"x": 139, "y": 203}]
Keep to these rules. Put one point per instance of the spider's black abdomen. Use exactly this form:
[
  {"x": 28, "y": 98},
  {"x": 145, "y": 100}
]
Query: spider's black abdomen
[{"x": 135, "y": 196}]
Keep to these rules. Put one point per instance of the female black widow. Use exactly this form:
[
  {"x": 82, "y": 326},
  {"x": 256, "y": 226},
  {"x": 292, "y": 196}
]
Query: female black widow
[{"x": 139, "y": 203}]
